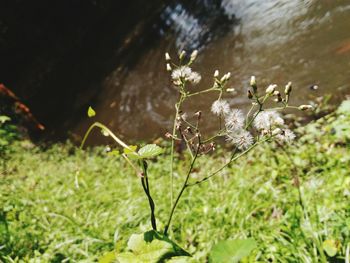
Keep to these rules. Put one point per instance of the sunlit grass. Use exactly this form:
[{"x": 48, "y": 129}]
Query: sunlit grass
[{"x": 63, "y": 204}]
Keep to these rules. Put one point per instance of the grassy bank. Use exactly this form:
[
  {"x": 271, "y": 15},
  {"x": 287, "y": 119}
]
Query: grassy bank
[{"x": 60, "y": 204}]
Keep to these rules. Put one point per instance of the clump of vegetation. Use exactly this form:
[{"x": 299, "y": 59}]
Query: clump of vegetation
[{"x": 285, "y": 201}]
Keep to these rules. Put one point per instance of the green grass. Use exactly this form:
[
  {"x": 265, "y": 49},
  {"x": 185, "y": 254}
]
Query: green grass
[{"x": 61, "y": 204}]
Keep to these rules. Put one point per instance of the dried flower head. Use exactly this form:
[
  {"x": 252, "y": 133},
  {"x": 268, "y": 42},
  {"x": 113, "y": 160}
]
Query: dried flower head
[
  {"x": 305, "y": 107},
  {"x": 220, "y": 107},
  {"x": 234, "y": 120}
]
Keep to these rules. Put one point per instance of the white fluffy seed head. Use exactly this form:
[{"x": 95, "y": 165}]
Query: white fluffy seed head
[
  {"x": 194, "y": 77},
  {"x": 182, "y": 72},
  {"x": 234, "y": 120},
  {"x": 286, "y": 137},
  {"x": 241, "y": 138},
  {"x": 220, "y": 107},
  {"x": 267, "y": 120}
]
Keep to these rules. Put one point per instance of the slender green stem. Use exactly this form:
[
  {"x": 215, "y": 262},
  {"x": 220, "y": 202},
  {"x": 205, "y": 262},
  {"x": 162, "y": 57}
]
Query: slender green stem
[
  {"x": 110, "y": 133},
  {"x": 145, "y": 185},
  {"x": 177, "y": 109},
  {"x": 232, "y": 159},
  {"x": 248, "y": 114},
  {"x": 203, "y": 91},
  {"x": 184, "y": 186}
]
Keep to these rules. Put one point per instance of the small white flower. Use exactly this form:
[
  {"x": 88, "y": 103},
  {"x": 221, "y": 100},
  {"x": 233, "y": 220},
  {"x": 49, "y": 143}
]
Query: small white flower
[
  {"x": 195, "y": 77},
  {"x": 286, "y": 137},
  {"x": 234, "y": 120},
  {"x": 266, "y": 120},
  {"x": 182, "y": 72},
  {"x": 241, "y": 138},
  {"x": 168, "y": 67},
  {"x": 220, "y": 107}
]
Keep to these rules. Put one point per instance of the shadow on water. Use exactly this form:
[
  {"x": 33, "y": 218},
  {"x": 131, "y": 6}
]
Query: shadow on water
[{"x": 113, "y": 58}]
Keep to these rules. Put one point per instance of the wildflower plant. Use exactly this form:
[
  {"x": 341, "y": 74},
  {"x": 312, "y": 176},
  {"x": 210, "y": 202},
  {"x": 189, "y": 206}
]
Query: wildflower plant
[{"x": 242, "y": 130}]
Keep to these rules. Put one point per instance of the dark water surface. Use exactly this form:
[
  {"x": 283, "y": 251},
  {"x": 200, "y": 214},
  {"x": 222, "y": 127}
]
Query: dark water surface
[{"x": 307, "y": 42}]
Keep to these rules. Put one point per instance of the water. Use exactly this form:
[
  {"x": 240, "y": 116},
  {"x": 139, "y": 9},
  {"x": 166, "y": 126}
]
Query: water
[{"x": 306, "y": 42}]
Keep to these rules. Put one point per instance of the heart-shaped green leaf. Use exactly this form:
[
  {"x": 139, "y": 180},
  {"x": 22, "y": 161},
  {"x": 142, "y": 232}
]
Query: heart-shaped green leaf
[
  {"x": 232, "y": 250},
  {"x": 150, "y": 247},
  {"x": 150, "y": 151}
]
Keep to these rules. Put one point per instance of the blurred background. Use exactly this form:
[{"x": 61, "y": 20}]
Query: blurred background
[{"x": 60, "y": 57}]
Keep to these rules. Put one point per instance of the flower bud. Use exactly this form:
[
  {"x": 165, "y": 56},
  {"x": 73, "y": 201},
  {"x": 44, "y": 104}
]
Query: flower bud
[
  {"x": 226, "y": 77},
  {"x": 198, "y": 114},
  {"x": 182, "y": 54},
  {"x": 270, "y": 89},
  {"x": 305, "y": 107},
  {"x": 167, "y": 57},
  {"x": 216, "y": 74},
  {"x": 276, "y": 93},
  {"x": 288, "y": 88},
  {"x": 194, "y": 55},
  {"x": 253, "y": 83},
  {"x": 168, "y": 67}
]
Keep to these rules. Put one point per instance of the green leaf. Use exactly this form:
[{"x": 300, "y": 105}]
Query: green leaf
[
  {"x": 181, "y": 259},
  {"x": 232, "y": 250},
  {"x": 150, "y": 247},
  {"x": 91, "y": 112},
  {"x": 108, "y": 258},
  {"x": 131, "y": 150},
  {"x": 4, "y": 118},
  {"x": 150, "y": 151},
  {"x": 114, "y": 153},
  {"x": 330, "y": 247}
]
